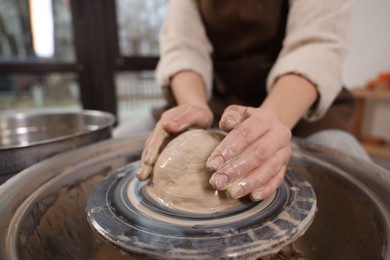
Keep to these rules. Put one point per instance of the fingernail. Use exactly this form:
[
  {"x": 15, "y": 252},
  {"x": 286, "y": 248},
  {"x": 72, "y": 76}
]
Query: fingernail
[
  {"x": 236, "y": 192},
  {"x": 183, "y": 127},
  {"x": 214, "y": 162},
  {"x": 174, "y": 126},
  {"x": 231, "y": 120},
  {"x": 219, "y": 181},
  {"x": 258, "y": 195},
  {"x": 143, "y": 172}
]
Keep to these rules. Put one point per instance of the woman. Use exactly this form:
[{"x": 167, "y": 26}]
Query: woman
[{"x": 256, "y": 68}]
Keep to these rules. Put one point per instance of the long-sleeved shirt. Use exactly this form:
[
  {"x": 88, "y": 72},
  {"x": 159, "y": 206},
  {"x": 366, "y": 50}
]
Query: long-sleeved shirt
[{"x": 315, "y": 45}]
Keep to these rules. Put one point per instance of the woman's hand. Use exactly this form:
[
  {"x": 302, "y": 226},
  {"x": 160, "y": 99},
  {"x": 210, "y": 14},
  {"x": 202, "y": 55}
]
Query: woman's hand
[
  {"x": 253, "y": 156},
  {"x": 173, "y": 121}
]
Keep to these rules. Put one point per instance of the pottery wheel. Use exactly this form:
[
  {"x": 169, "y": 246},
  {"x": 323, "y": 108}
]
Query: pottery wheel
[{"x": 122, "y": 213}]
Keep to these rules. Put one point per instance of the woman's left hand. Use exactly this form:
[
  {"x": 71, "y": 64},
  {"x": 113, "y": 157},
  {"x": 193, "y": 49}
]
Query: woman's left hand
[{"x": 252, "y": 158}]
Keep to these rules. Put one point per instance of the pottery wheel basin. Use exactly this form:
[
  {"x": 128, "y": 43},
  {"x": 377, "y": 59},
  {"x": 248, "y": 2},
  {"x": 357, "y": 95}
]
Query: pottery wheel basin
[{"x": 42, "y": 209}]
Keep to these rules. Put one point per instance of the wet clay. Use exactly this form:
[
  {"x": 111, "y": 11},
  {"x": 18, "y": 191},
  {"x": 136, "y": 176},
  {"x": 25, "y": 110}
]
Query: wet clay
[{"x": 180, "y": 179}]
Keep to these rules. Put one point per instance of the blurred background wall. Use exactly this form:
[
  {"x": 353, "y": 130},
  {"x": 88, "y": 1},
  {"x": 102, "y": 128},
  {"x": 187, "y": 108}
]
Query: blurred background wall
[
  {"x": 370, "y": 42},
  {"x": 369, "y": 55}
]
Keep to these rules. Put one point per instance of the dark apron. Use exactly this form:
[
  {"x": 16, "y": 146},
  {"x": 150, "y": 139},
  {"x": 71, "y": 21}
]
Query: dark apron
[{"x": 247, "y": 37}]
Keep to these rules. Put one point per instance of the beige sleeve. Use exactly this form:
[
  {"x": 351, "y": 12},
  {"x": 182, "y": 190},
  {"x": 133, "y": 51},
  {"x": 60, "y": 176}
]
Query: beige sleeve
[
  {"x": 183, "y": 45},
  {"x": 314, "y": 47}
]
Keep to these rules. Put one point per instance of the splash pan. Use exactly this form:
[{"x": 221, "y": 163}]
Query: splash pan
[{"x": 121, "y": 211}]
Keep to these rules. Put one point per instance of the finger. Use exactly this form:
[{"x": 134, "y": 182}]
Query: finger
[
  {"x": 240, "y": 137},
  {"x": 151, "y": 150},
  {"x": 269, "y": 188},
  {"x": 144, "y": 171},
  {"x": 188, "y": 116},
  {"x": 259, "y": 152},
  {"x": 232, "y": 116},
  {"x": 173, "y": 121},
  {"x": 258, "y": 177}
]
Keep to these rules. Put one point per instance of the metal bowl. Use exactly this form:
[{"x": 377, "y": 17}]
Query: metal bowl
[{"x": 28, "y": 138}]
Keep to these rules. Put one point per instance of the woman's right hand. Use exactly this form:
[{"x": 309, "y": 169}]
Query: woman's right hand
[{"x": 173, "y": 121}]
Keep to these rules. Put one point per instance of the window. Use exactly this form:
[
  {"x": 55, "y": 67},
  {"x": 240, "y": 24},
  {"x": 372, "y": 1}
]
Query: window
[
  {"x": 29, "y": 91},
  {"x": 33, "y": 33},
  {"x": 85, "y": 54},
  {"x": 139, "y": 26}
]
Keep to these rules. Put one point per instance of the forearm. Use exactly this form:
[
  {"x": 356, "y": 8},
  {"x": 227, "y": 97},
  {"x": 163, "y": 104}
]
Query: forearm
[
  {"x": 315, "y": 45},
  {"x": 184, "y": 46},
  {"x": 290, "y": 98},
  {"x": 188, "y": 88}
]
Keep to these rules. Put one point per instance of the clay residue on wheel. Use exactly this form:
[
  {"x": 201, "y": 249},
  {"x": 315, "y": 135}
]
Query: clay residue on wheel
[{"x": 180, "y": 179}]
